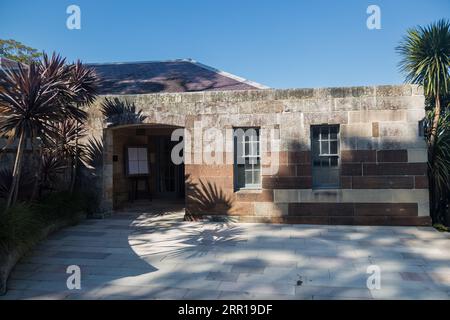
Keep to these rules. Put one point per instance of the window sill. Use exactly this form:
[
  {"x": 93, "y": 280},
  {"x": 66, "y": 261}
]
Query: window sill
[{"x": 249, "y": 190}]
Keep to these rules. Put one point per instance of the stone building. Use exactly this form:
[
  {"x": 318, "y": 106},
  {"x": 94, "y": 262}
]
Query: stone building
[
  {"x": 351, "y": 155},
  {"x": 317, "y": 156}
]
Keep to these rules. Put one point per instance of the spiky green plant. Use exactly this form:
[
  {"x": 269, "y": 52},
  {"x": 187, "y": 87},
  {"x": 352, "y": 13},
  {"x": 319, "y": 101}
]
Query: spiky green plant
[
  {"x": 120, "y": 112},
  {"x": 28, "y": 107},
  {"x": 425, "y": 61},
  {"x": 35, "y": 98},
  {"x": 439, "y": 168}
]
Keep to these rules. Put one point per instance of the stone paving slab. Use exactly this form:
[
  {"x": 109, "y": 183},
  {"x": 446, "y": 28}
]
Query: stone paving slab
[{"x": 146, "y": 256}]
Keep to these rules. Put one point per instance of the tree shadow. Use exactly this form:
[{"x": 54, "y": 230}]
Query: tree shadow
[{"x": 206, "y": 198}]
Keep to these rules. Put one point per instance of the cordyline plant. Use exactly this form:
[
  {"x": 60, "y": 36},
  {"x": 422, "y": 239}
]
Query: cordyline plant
[
  {"x": 426, "y": 62},
  {"x": 36, "y": 98}
]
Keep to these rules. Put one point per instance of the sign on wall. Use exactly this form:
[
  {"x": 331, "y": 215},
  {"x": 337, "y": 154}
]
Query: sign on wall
[{"x": 137, "y": 161}]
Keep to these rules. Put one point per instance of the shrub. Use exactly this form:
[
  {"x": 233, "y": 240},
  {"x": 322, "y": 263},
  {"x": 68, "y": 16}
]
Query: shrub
[
  {"x": 63, "y": 205},
  {"x": 19, "y": 226}
]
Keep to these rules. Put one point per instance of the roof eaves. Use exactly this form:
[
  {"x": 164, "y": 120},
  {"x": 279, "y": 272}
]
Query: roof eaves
[{"x": 227, "y": 74}]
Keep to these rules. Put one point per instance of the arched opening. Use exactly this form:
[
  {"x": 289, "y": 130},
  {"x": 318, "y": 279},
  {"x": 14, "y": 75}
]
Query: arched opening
[{"x": 143, "y": 171}]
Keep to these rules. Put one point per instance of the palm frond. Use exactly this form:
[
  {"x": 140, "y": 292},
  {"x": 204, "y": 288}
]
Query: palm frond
[
  {"x": 120, "y": 112},
  {"x": 425, "y": 55}
]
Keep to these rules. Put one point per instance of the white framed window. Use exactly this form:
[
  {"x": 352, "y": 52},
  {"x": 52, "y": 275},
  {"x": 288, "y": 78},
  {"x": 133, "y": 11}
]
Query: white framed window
[
  {"x": 325, "y": 156},
  {"x": 247, "y": 159},
  {"x": 137, "y": 161}
]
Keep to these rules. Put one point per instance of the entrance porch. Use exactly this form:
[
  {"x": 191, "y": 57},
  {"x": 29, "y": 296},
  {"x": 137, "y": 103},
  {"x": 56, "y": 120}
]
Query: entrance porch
[{"x": 142, "y": 168}]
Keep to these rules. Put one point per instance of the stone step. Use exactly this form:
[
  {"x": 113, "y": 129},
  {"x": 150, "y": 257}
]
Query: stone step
[{"x": 338, "y": 220}]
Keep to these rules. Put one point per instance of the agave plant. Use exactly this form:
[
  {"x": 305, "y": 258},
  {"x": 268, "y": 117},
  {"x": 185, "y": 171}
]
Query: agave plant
[
  {"x": 426, "y": 62},
  {"x": 119, "y": 112}
]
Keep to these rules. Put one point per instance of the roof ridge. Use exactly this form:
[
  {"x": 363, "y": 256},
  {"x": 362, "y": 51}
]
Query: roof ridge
[{"x": 136, "y": 62}]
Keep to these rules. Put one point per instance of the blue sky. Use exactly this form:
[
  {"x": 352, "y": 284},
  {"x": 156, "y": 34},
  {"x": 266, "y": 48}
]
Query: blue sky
[{"x": 282, "y": 44}]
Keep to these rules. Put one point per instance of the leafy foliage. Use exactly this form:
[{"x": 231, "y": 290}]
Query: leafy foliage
[
  {"x": 119, "y": 112},
  {"x": 14, "y": 50},
  {"x": 93, "y": 153},
  {"x": 426, "y": 61},
  {"x": 426, "y": 57},
  {"x": 6, "y": 179},
  {"x": 43, "y": 103},
  {"x": 20, "y": 224},
  {"x": 28, "y": 103},
  {"x": 439, "y": 169}
]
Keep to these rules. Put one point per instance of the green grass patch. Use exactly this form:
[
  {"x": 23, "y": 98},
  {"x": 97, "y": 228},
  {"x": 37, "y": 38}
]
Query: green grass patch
[{"x": 441, "y": 228}]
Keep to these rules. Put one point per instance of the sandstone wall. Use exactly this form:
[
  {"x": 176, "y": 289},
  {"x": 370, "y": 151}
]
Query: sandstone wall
[{"x": 382, "y": 159}]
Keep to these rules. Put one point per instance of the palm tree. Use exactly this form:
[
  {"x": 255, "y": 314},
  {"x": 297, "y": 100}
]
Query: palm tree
[
  {"x": 35, "y": 98},
  {"x": 426, "y": 62},
  {"x": 439, "y": 169},
  {"x": 28, "y": 108},
  {"x": 118, "y": 112},
  {"x": 84, "y": 84}
]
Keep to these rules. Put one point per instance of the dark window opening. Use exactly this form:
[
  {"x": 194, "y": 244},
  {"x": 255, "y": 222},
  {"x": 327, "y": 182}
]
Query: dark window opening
[{"x": 325, "y": 156}]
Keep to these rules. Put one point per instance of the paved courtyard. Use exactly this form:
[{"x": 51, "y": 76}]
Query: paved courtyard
[{"x": 155, "y": 255}]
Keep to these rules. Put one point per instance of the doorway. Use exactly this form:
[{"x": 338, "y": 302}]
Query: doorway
[{"x": 169, "y": 176}]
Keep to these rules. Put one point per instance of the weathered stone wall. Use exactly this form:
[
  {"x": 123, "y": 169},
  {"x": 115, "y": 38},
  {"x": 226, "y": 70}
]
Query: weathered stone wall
[{"x": 383, "y": 158}]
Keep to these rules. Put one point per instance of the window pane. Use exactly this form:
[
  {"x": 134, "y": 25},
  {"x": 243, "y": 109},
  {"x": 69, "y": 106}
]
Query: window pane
[
  {"x": 315, "y": 148},
  {"x": 325, "y": 162},
  {"x": 248, "y": 177},
  {"x": 256, "y": 148},
  {"x": 333, "y": 147},
  {"x": 133, "y": 167},
  {"x": 324, "y": 133},
  {"x": 143, "y": 167},
  {"x": 142, "y": 154},
  {"x": 315, "y": 133},
  {"x": 334, "y": 161},
  {"x": 257, "y": 177},
  {"x": 246, "y": 148},
  {"x": 240, "y": 176},
  {"x": 333, "y": 132},
  {"x": 132, "y": 154},
  {"x": 324, "y": 147}
]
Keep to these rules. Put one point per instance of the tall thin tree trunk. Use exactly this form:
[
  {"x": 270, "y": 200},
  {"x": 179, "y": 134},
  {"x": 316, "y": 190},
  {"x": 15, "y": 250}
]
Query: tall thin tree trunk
[
  {"x": 432, "y": 147},
  {"x": 12, "y": 197},
  {"x": 74, "y": 166},
  {"x": 437, "y": 114},
  {"x": 37, "y": 182}
]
